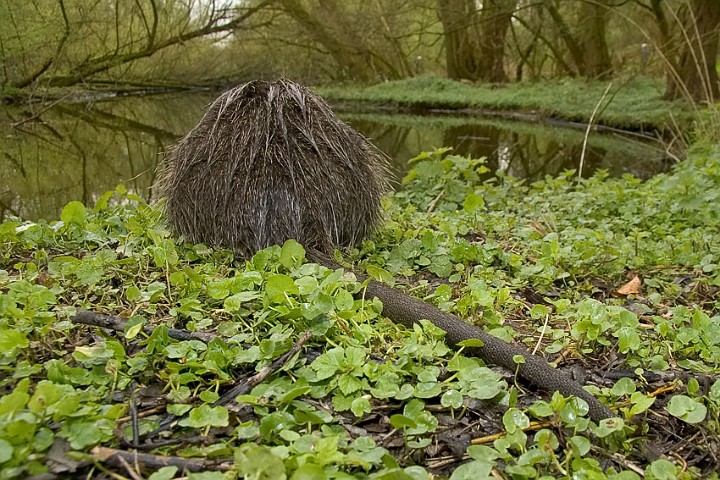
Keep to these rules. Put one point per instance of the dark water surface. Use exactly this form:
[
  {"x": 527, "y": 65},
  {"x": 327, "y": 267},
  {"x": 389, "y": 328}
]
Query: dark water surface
[{"x": 50, "y": 156}]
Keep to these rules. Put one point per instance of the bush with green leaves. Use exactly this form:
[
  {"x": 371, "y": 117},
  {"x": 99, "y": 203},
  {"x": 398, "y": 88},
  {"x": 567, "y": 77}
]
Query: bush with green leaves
[{"x": 534, "y": 263}]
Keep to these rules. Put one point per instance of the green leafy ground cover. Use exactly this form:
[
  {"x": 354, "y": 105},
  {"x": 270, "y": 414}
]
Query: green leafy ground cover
[
  {"x": 539, "y": 264},
  {"x": 633, "y": 104}
]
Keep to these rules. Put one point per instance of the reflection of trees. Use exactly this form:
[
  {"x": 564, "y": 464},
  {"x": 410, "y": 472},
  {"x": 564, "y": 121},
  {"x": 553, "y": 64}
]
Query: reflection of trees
[
  {"x": 474, "y": 141},
  {"x": 131, "y": 137},
  {"x": 79, "y": 151},
  {"x": 390, "y": 139},
  {"x": 521, "y": 155},
  {"x": 520, "y": 152},
  {"x": 535, "y": 156},
  {"x": 111, "y": 121}
]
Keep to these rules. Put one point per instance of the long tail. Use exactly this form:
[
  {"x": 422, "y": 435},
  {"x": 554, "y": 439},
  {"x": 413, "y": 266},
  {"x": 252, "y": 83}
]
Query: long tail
[{"x": 405, "y": 310}]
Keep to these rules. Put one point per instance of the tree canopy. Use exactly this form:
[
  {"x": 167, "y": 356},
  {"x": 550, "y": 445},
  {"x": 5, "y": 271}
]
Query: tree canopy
[{"x": 60, "y": 43}]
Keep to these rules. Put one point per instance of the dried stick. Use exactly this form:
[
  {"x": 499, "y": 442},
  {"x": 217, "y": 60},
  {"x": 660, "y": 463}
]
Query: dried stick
[
  {"x": 118, "y": 324},
  {"x": 121, "y": 458},
  {"x": 246, "y": 386}
]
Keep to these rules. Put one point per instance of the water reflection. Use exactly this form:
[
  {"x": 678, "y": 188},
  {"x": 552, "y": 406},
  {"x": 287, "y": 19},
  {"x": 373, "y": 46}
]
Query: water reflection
[
  {"x": 79, "y": 151},
  {"x": 520, "y": 149},
  {"x": 51, "y": 156}
]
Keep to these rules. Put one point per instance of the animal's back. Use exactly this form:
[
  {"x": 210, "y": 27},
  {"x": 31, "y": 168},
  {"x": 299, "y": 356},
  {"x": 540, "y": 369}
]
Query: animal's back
[{"x": 269, "y": 162}]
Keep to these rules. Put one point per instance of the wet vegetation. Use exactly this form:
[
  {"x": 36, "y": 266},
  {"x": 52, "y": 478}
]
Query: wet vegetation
[
  {"x": 128, "y": 353},
  {"x": 613, "y": 278}
]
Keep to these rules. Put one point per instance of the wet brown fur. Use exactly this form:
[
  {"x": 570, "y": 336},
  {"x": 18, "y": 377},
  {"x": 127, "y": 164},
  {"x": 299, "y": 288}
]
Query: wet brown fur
[{"x": 269, "y": 162}]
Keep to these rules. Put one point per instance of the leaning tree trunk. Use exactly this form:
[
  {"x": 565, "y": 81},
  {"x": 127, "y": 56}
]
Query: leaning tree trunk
[
  {"x": 695, "y": 74},
  {"x": 573, "y": 46},
  {"x": 459, "y": 19},
  {"x": 495, "y": 20},
  {"x": 597, "y": 63},
  {"x": 586, "y": 43},
  {"x": 475, "y": 40}
]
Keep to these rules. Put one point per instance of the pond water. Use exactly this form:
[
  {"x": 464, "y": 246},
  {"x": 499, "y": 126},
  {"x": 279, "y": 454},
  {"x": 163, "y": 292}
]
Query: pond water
[{"x": 52, "y": 155}]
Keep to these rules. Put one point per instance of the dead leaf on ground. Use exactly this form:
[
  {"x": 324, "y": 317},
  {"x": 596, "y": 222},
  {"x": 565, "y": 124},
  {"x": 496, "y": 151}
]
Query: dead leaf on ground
[{"x": 632, "y": 287}]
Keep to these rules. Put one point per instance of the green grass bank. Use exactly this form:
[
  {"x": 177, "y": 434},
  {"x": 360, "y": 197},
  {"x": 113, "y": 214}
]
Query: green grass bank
[{"x": 634, "y": 104}]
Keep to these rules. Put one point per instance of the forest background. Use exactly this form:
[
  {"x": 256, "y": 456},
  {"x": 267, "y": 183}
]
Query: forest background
[
  {"x": 620, "y": 273},
  {"x": 99, "y": 44}
]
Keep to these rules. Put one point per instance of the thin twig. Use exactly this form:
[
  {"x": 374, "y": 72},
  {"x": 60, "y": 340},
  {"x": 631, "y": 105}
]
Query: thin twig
[
  {"x": 534, "y": 426},
  {"x": 43, "y": 110},
  {"x": 265, "y": 372},
  {"x": 131, "y": 471},
  {"x": 432, "y": 205},
  {"x": 114, "y": 456},
  {"x": 542, "y": 334},
  {"x": 619, "y": 459},
  {"x": 134, "y": 415},
  {"x": 118, "y": 324},
  {"x": 589, "y": 126}
]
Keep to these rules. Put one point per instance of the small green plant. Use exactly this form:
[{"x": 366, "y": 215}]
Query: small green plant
[{"x": 541, "y": 264}]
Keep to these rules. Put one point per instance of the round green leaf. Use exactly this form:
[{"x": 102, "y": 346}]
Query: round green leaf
[
  {"x": 278, "y": 286},
  {"x": 74, "y": 213},
  {"x": 452, "y": 398},
  {"x": 687, "y": 409},
  {"x": 473, "y": 203},
  {"x": 6, "y": 451}
]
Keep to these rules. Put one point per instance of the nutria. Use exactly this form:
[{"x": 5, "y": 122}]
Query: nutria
[
  {"x": 271, "y": 161},
  {"x": 268, "y": 162}
]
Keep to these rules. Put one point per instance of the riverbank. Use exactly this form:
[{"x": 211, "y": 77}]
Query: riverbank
[
  {"x": 631, "y": 105},
  {"x": 634, "y": 105},
  {"x": 615, "y": 278}
]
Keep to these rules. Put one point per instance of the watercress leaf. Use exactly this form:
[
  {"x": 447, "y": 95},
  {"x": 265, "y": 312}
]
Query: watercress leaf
[
  {"x": 451, "y": 398},
  {"x": 292, "y": 254},
  {"x": 278, "y": 286},
  {"x": 205, "y": 415},
  {"x": 473, "y": 203},
  {"x": 380, "y": 274},
  {"x": 259, "y": 462},
  {"x": 474, "y": 470},
  {"x": 401, "y": 421},
  {"x": 164, "y": 473},
  {"x": 687, "y": 409},
  {"x": 6, "y": 451},
  {"x": 74, "y": 213}
]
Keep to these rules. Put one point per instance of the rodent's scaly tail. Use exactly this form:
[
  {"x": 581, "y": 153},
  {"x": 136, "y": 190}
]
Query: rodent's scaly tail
[{"x": 403, "y": 309}]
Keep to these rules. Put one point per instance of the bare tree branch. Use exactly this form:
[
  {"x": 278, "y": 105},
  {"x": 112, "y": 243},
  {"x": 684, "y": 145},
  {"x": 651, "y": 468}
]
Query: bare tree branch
[
  {"x": 107, "y": 61},
  {"x": 46, "y": 66}
]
